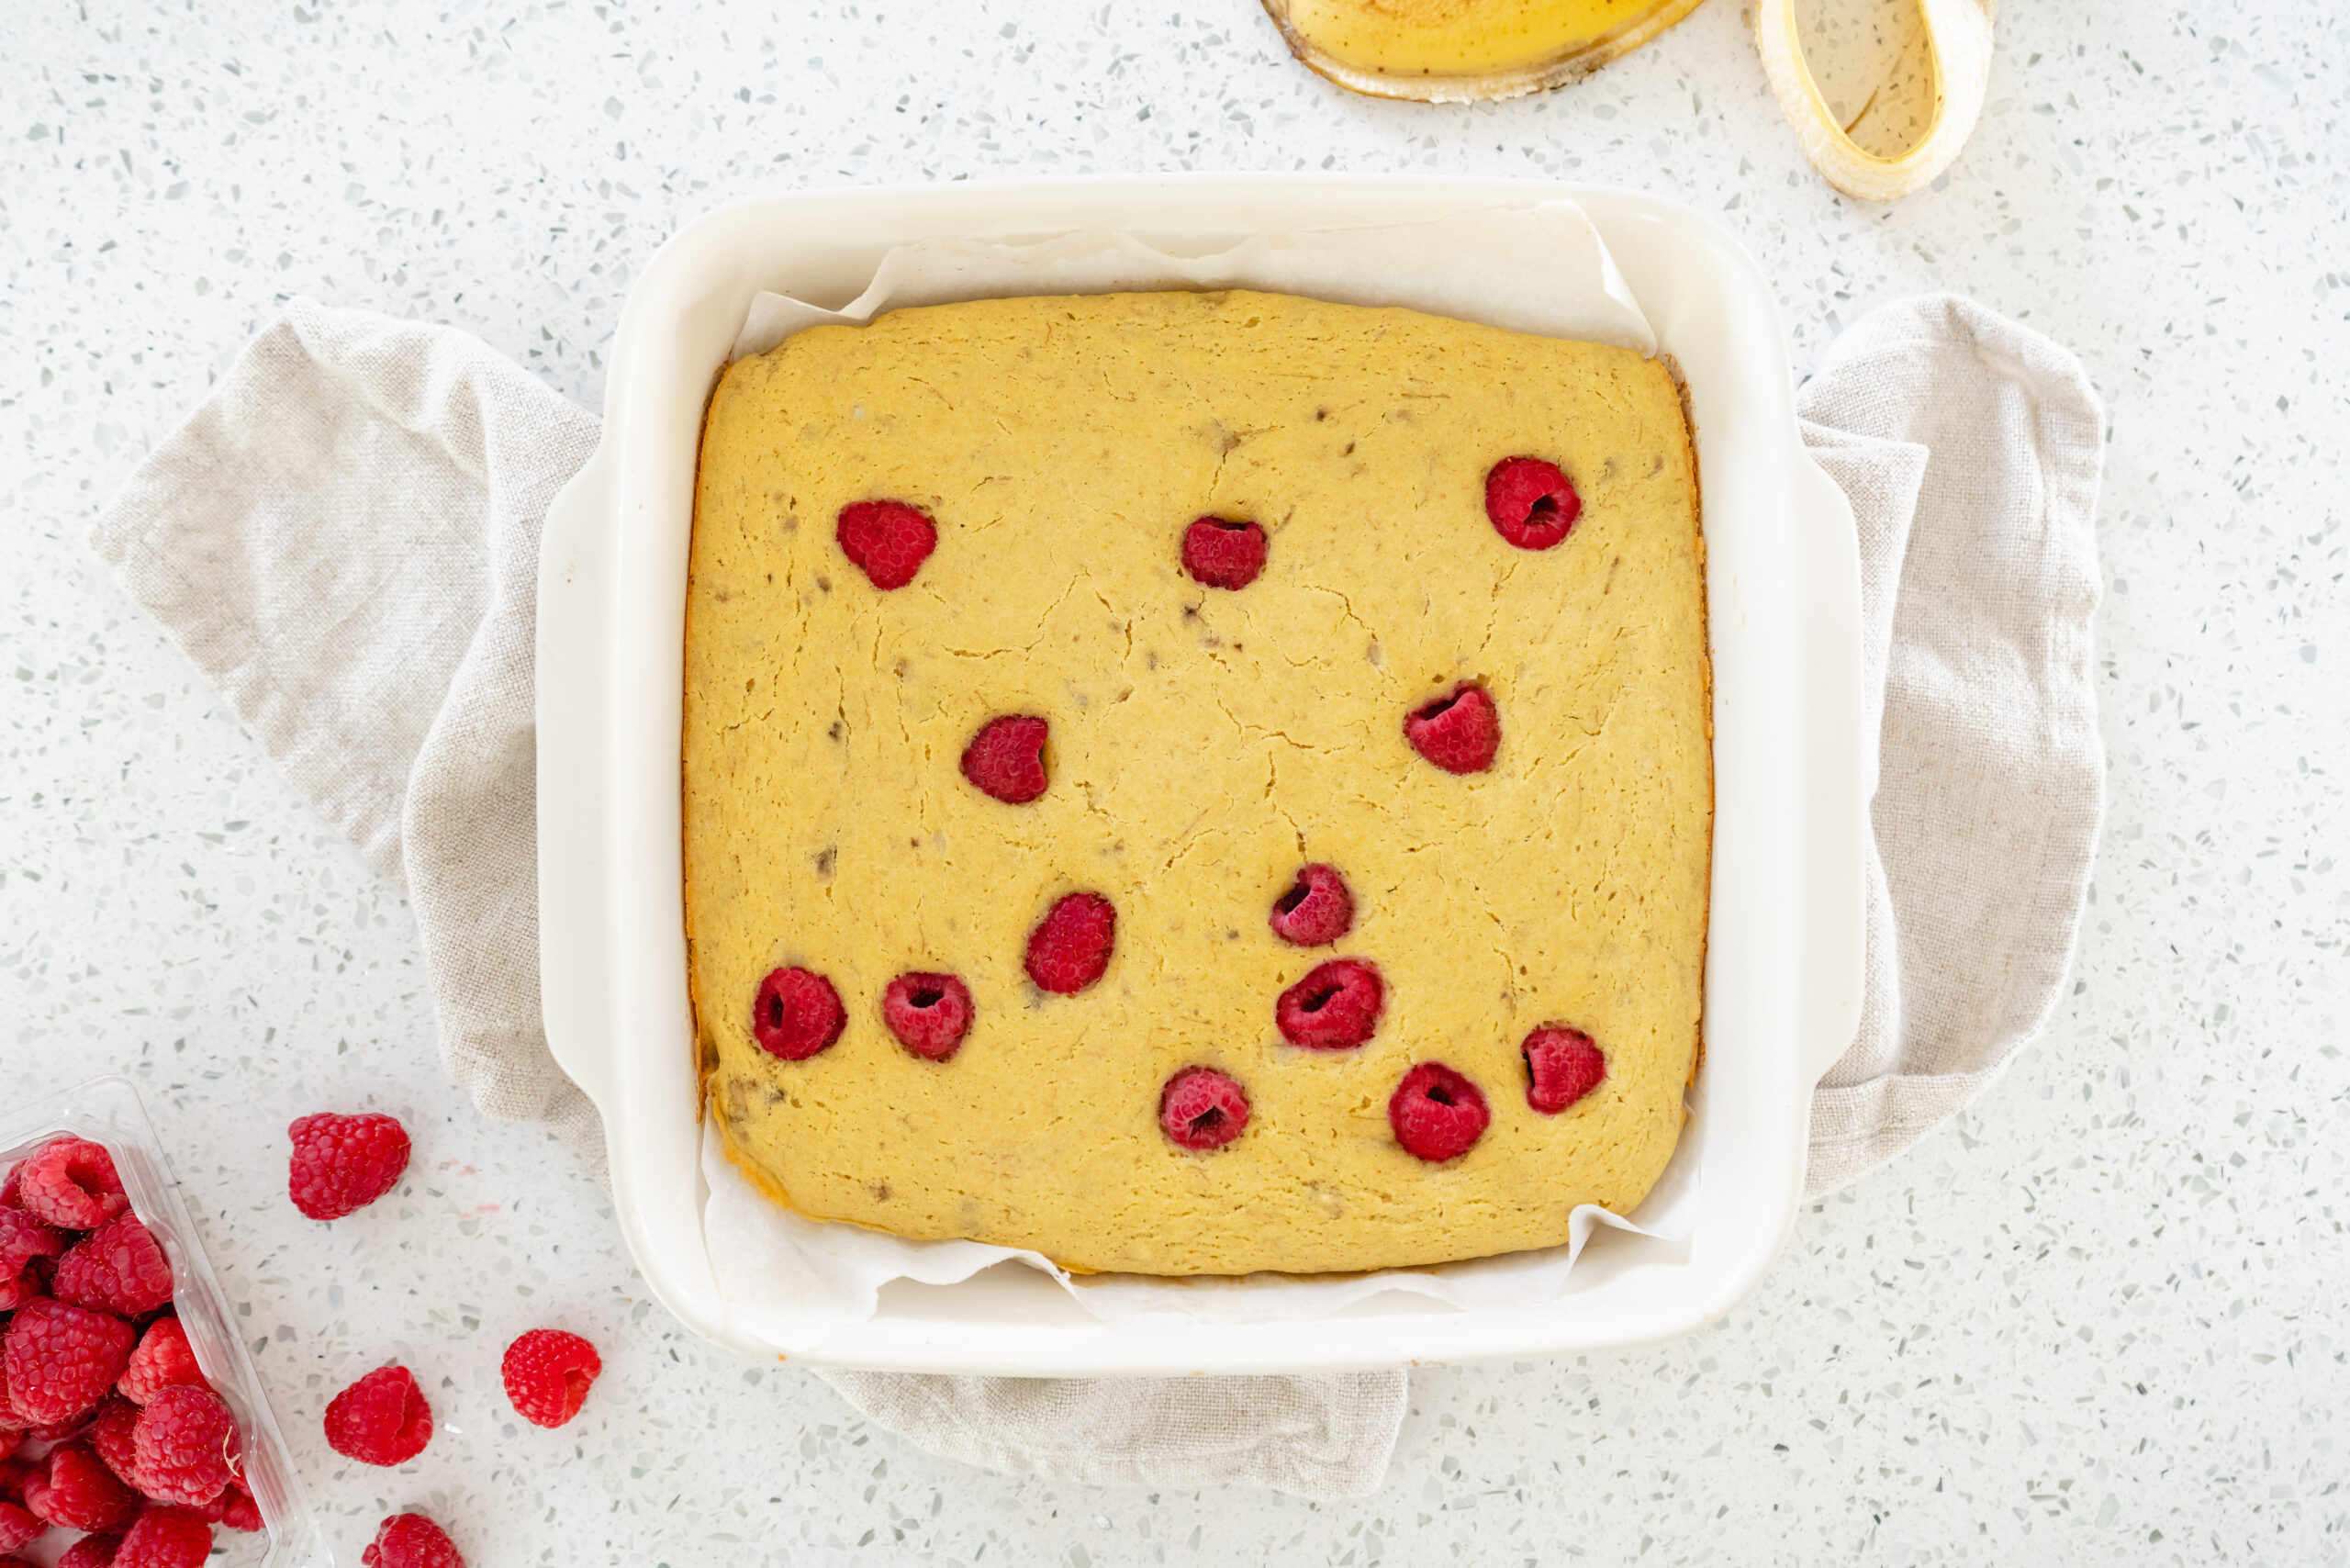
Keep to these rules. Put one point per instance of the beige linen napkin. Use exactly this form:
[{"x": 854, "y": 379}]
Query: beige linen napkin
[
  {"x": 344, "y": 538},
  {"x": 1970, "y": 448}
]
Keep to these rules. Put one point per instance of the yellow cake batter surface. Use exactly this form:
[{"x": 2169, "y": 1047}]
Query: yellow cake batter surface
[{"x": 1205, "y": 745}]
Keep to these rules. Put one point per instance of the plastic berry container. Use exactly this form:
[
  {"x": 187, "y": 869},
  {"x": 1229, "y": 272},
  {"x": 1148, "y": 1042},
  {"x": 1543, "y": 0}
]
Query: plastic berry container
[{"x": 107, "y": 1111}]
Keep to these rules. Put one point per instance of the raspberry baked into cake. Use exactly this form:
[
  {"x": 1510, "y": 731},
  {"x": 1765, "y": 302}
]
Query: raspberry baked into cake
[{"x": 1196, "y": 783}]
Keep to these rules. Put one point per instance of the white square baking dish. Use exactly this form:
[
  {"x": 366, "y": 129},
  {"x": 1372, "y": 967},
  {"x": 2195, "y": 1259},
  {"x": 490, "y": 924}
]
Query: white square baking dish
[{"x": 1784, "y": 961}]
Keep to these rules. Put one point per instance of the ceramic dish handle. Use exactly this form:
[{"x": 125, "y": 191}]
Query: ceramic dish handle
[
  {"x": 1835, "y": 916},
  {"x": 1958, "y": 39},
  {"x": 574, "y": 997}
]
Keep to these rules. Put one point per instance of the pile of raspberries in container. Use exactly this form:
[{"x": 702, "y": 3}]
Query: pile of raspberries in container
[{"x": 107, "y": 1425}]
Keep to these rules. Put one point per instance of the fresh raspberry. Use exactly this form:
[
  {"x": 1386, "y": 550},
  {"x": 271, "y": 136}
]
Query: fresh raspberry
[
  {"x": 411, "y": 1541},
  {"x": 547, "y": 1373},
  {"x": 1459, "y": 731},
  {"x": 15, "y": 1293},
  {"x": 380, "y": 1420},
  {"x": 1006, "y": 758},
  {"x": 1532, "y": 503},
  {"x": 234, "y": 1507},
  {"x": 888, "y": 540},
  {"x": 10, "y": 1441},
  {"x": 113, "y": 1436},
  {"x": 1335, "y": 1007},
  {"x": 18, "y": 1525},
  {"x": 1202, "y": 1109},
  {"x": 82, "y": 1494},
  {"x": 185, "y": 1446},
  {"x": 62, "y": 1359},
  {"x": 797, "y": 1014},
  {"x": 91, "y": 1552},
  {"x": 1222, "y": 554},
  {"x": 1071, "y": 946},
  {"x": 1437, "y": 1113},
  {"x": 164, "y": 1536},
  {"x": 1317, "y": 911},
  {"x": 11, "y": 1420},
  {"x": 117, "y": 1268},
  {"x": 1561, "y": 1067},
  {"x": 929, "y": 1013},
  {"x": 343, "y": 1163},
  {"x": 24, "y": 1238},
  {"x": 163, "y": 1359},
  {"x": 71, "y": 1183}
]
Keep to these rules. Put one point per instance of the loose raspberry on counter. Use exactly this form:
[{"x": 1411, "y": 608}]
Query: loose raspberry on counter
[
  {"x": 343, "y": 1163},
  {"x": 1562, "y": 1064},
  {"x": 1006, "y": 758},
  {"x": 1532, "y": 503},
  {"x": 1202, "y": 1109},
  {"x": 163, "y": 1359},
  {"x": 164, "y": 1536},
  {"x": 1459, "y": 731},
  {"x": 930, "y": 1014},
  {"x": 797, "y": 1014},
  {"x": 24, "y": 1238},
  {"x": 1335, "y": 1007},
  {"x": 117, "y": 1268},
  {"x": 380, "y": 1420},
  {"x": 1436, "y": 1112},
  {"x": 82, "y": 1494},
  {"x": 185, "y": 1446},
  {"x": 547, "y": 1373},
  {"x": 411, "y": 1541},
  {"x": 62, "y": 1359},
  {"x": 1317, "y": 911},
  {"x": 888, "y": 540},
  {"x": 1071, "y": 946},
  {"x": 1224, "y": 554},
  {"x": 71, "y": 1183},
  {"x": 91, "y": 1552}
]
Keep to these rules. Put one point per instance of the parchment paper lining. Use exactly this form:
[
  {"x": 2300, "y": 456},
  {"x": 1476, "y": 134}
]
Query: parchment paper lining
[{"x": 788, "y": 1280}]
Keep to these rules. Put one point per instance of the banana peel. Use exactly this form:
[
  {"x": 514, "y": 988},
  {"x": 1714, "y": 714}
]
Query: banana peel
[
  {"x": 1958, "y": 45},
  {"x": 1463, "y": 51}
]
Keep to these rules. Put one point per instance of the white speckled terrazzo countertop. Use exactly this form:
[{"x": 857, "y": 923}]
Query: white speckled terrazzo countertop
[{"x": 2102, "y": 1319}]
